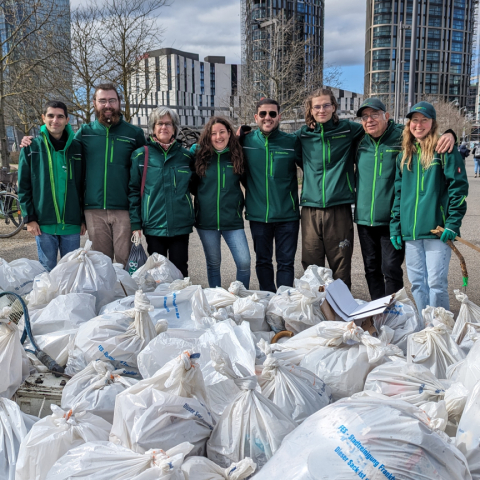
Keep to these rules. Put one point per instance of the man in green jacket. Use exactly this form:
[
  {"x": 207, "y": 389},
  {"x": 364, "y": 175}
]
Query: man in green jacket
[
  {"x": 108, "y": 143},
  {"x": 51, "y": 176},
  {"x": 271, "y": 198},
  {"x": 375, "y": 182}
]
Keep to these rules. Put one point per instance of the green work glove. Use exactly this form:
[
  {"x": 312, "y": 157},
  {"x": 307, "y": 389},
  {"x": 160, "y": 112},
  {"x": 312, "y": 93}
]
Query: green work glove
[
  {"x": 448, "y": 235},
  {"x": 396, "y": 242}
]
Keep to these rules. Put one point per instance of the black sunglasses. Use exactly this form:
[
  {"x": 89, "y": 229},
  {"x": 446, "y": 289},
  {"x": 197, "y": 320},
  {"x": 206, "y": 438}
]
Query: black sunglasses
[{"x": 263, "y": 114}]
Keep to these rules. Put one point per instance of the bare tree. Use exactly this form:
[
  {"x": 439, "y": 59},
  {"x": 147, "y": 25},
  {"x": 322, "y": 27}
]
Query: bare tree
[
  {"x": 130, "y": 29},
  {"x": 28, "y": 40}
]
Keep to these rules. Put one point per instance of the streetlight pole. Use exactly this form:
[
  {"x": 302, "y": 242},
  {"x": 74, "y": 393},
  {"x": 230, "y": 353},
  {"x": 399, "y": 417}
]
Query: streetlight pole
[{"x": 413, "y": 62}]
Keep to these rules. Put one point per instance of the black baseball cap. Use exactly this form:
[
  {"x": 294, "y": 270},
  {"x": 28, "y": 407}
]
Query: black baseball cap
[
  {"x": 424, "y": 108},
  {"x": 374, "y": 103}
]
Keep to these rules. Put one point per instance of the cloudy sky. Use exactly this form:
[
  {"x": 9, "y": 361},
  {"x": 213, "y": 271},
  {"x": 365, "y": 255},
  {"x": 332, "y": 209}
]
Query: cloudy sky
[{"x": 212, "y": 27}]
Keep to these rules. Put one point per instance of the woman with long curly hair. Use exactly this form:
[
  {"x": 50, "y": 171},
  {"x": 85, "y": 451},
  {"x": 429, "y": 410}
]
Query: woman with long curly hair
[
  {"x": 219, "y": 201},
  {"x": 430, "y": 190}
]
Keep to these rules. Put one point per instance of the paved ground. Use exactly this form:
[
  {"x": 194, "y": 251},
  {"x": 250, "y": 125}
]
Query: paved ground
[{"x": 23, "y": 245}]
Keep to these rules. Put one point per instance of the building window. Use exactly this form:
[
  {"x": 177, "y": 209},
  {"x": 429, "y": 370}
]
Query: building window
[
  {"x": 157, "y": 74},
  {"x": 193, "y": 78},
  {"x": 212, "y": 79},
  {"x": 169, "y": 72},
  {"x": 178, "y": 72},
  {"x": 202, "y": 78}
]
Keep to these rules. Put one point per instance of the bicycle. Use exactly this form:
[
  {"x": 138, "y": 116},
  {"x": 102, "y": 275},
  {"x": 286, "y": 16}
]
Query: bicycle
[{"x": 11, "y": 219}]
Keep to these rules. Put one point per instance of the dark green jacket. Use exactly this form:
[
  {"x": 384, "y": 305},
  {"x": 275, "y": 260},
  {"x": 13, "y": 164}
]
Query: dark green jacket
[
  {"x": 375, "y": 176},
  {"x": 328, "y": 159},
  {"x": 431, "y": 197},
  {"x": 271, "y": 167},
  {"x": 108, "y": 151},
  {"x": 218, "y": 195},
  {"x": 166, "y": 208},
  {"x": 37, "y": 189}
]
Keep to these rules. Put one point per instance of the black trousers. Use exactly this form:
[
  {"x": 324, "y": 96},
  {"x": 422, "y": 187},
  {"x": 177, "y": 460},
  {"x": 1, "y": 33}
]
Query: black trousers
[
  {"x": 383, "y": 264},
  {"x": 176, "y": 248}
]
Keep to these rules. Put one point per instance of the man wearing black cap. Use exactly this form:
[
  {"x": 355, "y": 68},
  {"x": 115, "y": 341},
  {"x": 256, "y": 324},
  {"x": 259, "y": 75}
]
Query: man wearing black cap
[{"x": 375, "y": 178}]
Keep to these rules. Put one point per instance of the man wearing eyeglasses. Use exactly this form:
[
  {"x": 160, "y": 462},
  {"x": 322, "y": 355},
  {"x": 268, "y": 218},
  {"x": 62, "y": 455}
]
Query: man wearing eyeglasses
[
  {"x": 271, "y": 199},
  {"x": 108, "y": 144},
  {"x": 375, "y": 178}
]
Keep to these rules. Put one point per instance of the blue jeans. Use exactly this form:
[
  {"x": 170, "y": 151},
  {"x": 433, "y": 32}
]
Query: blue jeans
[
  {"x": 49, "y": 245},
  {"x": 477, "y": 165},
  {"x": 427, "y": 268},
  {"x": 285, "y": 235},
  {"x": 238, "y": 245}
]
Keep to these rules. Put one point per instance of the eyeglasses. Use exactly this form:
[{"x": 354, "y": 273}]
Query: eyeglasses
[
  {"x": 263, "y": 114},
  {"x": 110, "y": 101},
  {"x": 325, "y": 106},
  {"x": 373, "y": 116},
  {"x": 166, "y": 124},
  {"x": 421, "y": 121}
]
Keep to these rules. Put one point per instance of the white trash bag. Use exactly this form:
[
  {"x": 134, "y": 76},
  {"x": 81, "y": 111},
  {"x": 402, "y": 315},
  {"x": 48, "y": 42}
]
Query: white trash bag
[
  {"x": 201, "y": 468},
  {"x": 55, "y": 325},
  {"x": 402, "y": 317},
  {"x": 434, "y": 348},
  {"x": 107, "y": 461},
  {"x": 467, "y": 327},
  {"x": 116, "y": 337},
  {"x": 370, "y": 436},
  {"x": 317, "y": 277},
  {"x": 250, "y": 309},
  {"x": 251, "y": 426},
  {"x": 14, "y": 363},
  {"x": 468, "y": 433},
  {"x": 81, "y": 271},
  {"x": 184, "y": 307},
  {"x": 438, "y": 316},
  {"x": 157, "y": 269},
  {"x": 344, "y": 356},
  {"x": 14, "y": 426},
  {"x": 238, "y": 289},
  {"x": 297, "y": 391},
  {"x": 125, "y": 285},
  {"x": 165, "y": 410},
  {"x": 219, "y": 297},
  {"x": 97, "y": 386},
  {"x": 18, "y": 275},
  {"x": 53, "y": 436},
  {"x": 467, "y": 371}
]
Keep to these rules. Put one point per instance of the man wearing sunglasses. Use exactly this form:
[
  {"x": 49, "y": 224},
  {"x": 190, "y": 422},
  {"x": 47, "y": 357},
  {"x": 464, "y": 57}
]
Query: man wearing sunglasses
[
  {"x": 375, "y": 178},
  {"x": 271, "y": 199}
]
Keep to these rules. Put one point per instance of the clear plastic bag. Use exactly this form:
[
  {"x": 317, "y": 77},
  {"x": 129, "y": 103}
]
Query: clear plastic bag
[
  {"x": 53, "y": 436},
  {"x": 251, "y": 426},
  {"x": 18, "y": 275},
  {"x": 107, "y": 461},
  {"x": 97, "y": 386},
  {"x": 157, "y": 269},
  {"x": 369, "y": 436}
]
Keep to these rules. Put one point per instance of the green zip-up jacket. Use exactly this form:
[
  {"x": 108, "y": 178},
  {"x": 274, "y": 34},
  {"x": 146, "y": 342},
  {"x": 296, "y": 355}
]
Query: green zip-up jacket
[
  {"x": 218, "y": 195},
  {"x": 271, "y": 180},
  {"x": 375, "y": 176},
  {"x": 431, "y": 197},
  {"x": 108, "y": 152},
  {"x": 166, "y": 209},
  {"x": 51, "y": 184},
  {"x": 328, "y": 159}
]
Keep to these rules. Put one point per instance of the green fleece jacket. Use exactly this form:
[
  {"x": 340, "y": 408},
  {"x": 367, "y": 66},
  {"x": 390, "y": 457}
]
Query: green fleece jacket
[
  {"x": 108, "y": 152},
  {"x": 51, "y": 184},
  {"x": 166, "y": 209},
  {"x": 426, "y": 198},
  {"x": 328, "y": 159},
  {"x": 218, "y": 195},
  {"x": 271, "y": 180},
  {"x": 375, "y": 176}
]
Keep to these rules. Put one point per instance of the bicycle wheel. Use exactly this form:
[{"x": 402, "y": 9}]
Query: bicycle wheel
[{"x": 11, "y": 219}]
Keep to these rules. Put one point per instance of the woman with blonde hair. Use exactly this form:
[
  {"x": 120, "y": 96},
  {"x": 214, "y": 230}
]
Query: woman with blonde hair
[{"x": 430, "y": 190}]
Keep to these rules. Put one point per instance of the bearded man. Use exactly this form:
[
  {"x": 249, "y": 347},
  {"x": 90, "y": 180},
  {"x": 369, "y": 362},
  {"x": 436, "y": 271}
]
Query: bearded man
[{"x": 108, "y": 143}]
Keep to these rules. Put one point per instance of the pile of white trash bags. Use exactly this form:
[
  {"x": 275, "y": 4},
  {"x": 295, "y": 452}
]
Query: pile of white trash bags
[{"x": 173, "y": 381}]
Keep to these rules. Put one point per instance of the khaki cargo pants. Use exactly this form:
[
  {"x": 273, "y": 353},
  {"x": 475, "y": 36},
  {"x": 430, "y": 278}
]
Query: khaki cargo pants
[
  {"x": 328, "y": 232},
  {"x": 110, "y": 233}
]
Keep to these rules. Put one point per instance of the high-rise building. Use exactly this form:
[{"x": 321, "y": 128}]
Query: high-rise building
[
  {"x": 274, "y": 31},
  {"x": 443, "y": 60}
]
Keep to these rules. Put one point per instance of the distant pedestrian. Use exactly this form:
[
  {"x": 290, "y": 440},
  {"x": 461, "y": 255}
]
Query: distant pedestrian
[
  {"x": 464, "y": 150},
  {"x": 476, "y": 159},
  {"x": 216, "y": 185}
]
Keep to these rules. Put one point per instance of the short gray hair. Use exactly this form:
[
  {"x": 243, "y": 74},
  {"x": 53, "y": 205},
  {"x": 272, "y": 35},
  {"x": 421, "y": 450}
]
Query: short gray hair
[{"x": 160, "y": 112}]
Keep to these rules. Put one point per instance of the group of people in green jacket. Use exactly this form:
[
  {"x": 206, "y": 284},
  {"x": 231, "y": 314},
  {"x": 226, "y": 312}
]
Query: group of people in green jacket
[{"x": 403, "y": 180}]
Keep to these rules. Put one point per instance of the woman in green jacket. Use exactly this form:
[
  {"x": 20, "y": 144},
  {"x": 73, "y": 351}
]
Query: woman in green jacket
[
  {"x": 430, "y": 190},
  {"x": 160, "y": 202},
  {"x": 219, "y": 168}
]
